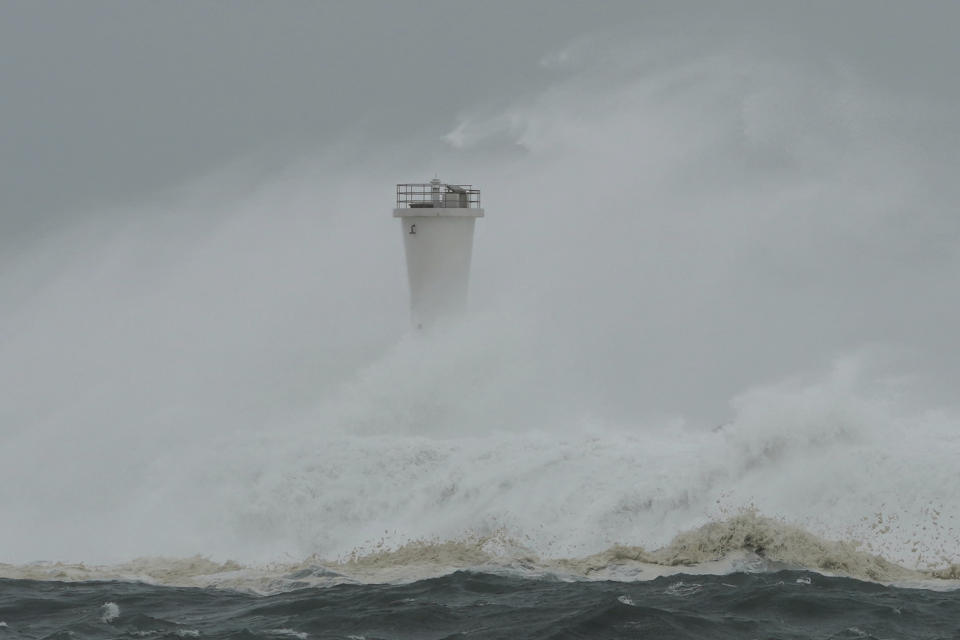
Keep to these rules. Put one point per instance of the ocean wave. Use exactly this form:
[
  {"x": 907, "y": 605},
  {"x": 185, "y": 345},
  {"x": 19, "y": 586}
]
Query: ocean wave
[
  {"x": 748, "y": 542},
  {"x": 822, "y": 461}
]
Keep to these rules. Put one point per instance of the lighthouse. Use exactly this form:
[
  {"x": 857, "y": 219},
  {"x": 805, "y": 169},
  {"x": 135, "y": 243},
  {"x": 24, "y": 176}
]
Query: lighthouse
[{"x": 437, "y": 221}]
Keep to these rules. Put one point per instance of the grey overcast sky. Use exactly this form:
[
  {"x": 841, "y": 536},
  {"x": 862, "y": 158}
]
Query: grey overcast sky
[{"x": 105, "y": 102}]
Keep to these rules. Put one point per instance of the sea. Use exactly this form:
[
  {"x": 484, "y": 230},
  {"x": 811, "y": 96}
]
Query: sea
[
  {"x": 396, "y": 505},
  {"x": 801, "y": 520},
  {"x": 477, "y": 604}
]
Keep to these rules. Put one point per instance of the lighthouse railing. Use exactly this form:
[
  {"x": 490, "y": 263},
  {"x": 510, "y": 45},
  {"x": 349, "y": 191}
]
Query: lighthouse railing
[{"x": 425, "y": 195}]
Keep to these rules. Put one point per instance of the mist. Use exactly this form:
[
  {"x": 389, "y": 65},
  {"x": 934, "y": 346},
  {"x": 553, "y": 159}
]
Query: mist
[{"x": 682, "y": 232}]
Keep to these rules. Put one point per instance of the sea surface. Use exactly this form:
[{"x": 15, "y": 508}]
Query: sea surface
[{"x": 782, "y": 604}]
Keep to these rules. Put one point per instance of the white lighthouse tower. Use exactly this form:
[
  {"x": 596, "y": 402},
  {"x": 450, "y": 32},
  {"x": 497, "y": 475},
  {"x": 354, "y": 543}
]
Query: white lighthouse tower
[{"x": 437, "y": 221}]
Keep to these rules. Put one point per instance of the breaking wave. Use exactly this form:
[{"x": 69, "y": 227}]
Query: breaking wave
[
  {"x": 745, "y": 543},
  {"x": 402, "y": 482}
]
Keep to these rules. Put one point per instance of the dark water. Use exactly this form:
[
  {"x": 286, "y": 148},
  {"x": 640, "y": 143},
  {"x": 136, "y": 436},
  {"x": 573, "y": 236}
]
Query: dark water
[{"x": 787, "y": 604}]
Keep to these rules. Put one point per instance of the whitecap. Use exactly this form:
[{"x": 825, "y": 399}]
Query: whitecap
[
  {"x": 288, "y": 632},
  {"x": 683, "y": 589},
  {"x": 109, "y": 612}
]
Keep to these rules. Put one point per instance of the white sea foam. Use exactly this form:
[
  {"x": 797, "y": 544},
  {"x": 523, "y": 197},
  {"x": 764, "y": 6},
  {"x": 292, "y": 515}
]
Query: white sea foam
[
  {"x": 301, "y": 635},
  {"x": 683, "y": 589},
  {"x": 109, "y": 612}
]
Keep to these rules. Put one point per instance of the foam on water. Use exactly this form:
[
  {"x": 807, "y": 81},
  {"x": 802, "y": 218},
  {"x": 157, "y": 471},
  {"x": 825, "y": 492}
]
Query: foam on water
[
  {"x": 747, "y": 542},
  {"x": 109, "y": 612}
]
